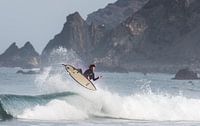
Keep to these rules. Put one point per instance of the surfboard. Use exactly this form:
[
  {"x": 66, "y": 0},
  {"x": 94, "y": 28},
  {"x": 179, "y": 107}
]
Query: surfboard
[{"x": 79, "y": 77}]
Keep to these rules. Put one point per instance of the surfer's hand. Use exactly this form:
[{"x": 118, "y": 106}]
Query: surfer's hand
[
  {"x": 100, "y": 76},
  {"x": 64, "y": 64}
]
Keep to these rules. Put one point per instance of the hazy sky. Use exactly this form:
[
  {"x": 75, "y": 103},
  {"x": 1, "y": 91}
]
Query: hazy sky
[{"x": 38, "y": 21}]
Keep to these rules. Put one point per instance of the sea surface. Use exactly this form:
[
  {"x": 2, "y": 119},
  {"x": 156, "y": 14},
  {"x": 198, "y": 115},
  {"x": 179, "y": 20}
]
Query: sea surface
[{"x": 52, "y": 98}]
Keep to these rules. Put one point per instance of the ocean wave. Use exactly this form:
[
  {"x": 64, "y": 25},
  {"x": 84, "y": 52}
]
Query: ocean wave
[
  {"x": 80, "y": 103},
  {"x": 11, "y": 106},
  {"x": 101, "y": 104}
]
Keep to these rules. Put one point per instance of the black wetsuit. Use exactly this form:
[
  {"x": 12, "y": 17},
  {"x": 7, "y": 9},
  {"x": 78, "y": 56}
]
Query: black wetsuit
[{"x": 89, "y": 73}]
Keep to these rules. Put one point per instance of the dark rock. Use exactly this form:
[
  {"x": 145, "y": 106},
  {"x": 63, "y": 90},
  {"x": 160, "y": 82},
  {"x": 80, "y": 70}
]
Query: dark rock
[
  {"x": 153, "y": 36},
  {"x": 27, "y": 72},
  {"x": 163, "y": 33},
  {"x": 113, "y": 14},
  {"x": 25, "y": 57},
  {"x": 12, "y": 50},
  {"x": 77, "y": 35},
  {"x": 186, "y": 74},
  {"x": 74, "y": 35}
]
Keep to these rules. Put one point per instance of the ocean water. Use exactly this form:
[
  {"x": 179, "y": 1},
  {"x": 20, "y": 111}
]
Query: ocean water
[{"x": 52, "y": 98}]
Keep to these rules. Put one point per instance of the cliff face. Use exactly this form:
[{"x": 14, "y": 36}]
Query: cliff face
[
  {"x": 25, "y": 57},
  {"x": 169, "y": 37},
  {"x": 157, "y": 35},
  {"x": 154, "y": 27},
  {"x": 113, "y": 14},
  {"x": 77, "y": 35},
  {"x": 73, "y": 35},
  {"x": 87, "y": 37},
  {"x": 162, "y": 36}
]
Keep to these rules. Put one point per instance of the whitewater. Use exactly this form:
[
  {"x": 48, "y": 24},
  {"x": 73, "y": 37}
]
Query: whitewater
[
  {"x": 121, "y": 99},
  {"x": 53, "y": 98}
]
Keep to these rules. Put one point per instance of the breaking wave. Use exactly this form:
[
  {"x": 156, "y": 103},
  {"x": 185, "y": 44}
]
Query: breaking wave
[{"x": 74, "y": 106}]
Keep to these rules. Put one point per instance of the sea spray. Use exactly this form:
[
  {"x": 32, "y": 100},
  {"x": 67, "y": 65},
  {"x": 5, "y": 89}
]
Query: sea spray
[
  {"x": 142, "y": 105},
  {"x": 50, "y": 83},
  {"x": 66, "y": 56},
  {"x": 55, "y": 78}
]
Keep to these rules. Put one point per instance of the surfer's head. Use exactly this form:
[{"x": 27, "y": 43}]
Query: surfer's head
[{"x": 92, "y": 67}]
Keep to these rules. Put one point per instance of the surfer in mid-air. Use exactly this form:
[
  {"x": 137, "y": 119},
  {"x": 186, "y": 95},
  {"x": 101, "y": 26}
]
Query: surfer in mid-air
[
  {"x": 89, "y": 73},
  {"x": 83, "y": 78}
]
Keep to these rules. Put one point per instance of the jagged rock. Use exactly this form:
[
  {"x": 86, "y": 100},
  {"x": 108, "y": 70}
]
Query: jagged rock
[
  {"x": 163, "y": 33},
  {"x": 77, "y": 35},
  {"x": 12, "y": 49},
  {"x": 25, "y": 57},
  {"x": 113, "y": 14},
  {"x": 160, "y": 36},
  {"x": 186, "y": 74},
  {"x": 74, "y": 35}
]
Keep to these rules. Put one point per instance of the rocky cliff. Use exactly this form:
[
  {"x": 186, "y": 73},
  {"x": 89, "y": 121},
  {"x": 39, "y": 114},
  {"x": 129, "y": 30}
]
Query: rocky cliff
[
  {"x": 25, "y": 57},
  {"x": 113, "y": 14},
  {"x": 77, "y": 35},
  {"x": 162, "y": 36},
  {"x": 157, "y": 36}
]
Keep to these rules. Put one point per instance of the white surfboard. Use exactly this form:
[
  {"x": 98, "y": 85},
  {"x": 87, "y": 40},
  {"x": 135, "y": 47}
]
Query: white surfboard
[{"x": 79, "y": 77}]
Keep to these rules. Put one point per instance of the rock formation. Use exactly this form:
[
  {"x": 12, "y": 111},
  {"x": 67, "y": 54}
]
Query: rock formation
[
  {"x": 77, "y": 35},
  {"x": 30, "y": 72},
  {"x": 162, "y": 36},
  {"x": 113, "y": 14},
  {"x": 186, "y": 74},
  {"x": 152, "y": 36},
  {"x": 25, "y": 57}
]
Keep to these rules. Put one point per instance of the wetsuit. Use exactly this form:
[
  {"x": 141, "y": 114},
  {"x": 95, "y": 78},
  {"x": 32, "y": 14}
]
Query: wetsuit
[{"x": 89, "y": 73}]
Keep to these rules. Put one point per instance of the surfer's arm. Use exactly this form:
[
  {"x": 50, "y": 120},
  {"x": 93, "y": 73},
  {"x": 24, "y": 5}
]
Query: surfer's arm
[
  {"x": 93, "y": 77},
  {"x": 96, "y": 78}
]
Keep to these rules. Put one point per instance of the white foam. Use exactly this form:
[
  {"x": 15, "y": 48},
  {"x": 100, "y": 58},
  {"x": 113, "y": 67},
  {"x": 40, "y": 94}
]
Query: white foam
[
  {"x": 149, "y": 106},
  {"x": 54, "y": 110},
  {"x": 145, "y": 105}
]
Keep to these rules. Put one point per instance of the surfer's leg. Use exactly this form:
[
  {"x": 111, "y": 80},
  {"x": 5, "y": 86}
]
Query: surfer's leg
[{"x": 80, "y": 70}]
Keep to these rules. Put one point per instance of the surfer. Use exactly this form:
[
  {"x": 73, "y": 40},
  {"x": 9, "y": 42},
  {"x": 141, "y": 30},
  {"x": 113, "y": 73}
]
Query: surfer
[{"x": 89, "y": 73}]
